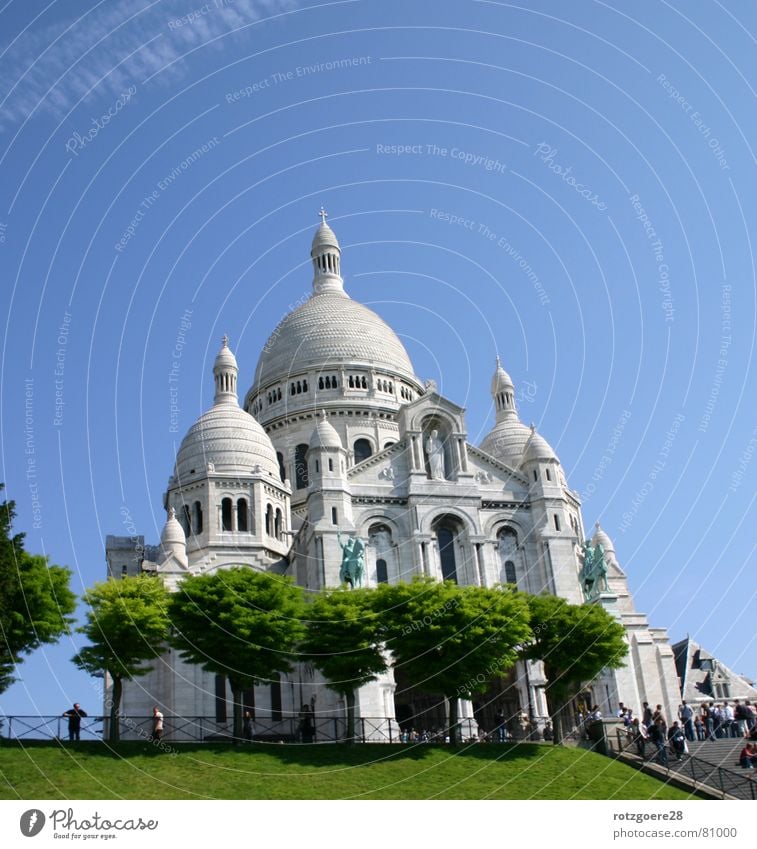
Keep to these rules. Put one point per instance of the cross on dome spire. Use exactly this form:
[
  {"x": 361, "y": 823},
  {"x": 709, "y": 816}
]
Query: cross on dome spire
[{"x": 324, "y": 215}]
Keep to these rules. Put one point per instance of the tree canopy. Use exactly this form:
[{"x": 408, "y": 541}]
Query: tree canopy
[
  {"x": 242, "y": 624},
  {"x": 342, "y": 641},
  {"x": 127, "y": 626},
  {"x": 575, "y": 642},
  {"x": 36, "y": 602},
  {"x": 452, "y": 640}
]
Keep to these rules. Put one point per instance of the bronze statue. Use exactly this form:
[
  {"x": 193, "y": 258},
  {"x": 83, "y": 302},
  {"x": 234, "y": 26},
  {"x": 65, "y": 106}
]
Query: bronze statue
[
  {"x": 353, "y": 560},
  {"x": 593, "y": 574}
]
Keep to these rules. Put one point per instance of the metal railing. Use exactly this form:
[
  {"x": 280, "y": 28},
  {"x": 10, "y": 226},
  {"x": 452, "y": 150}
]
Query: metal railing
[
  {"x": 201, "y": 729},
  {"x": 741, "y": 785}
]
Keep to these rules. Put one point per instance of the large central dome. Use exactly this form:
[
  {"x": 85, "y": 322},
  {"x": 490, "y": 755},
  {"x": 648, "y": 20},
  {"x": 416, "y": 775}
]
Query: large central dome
[{"x": 330, "y": 330}]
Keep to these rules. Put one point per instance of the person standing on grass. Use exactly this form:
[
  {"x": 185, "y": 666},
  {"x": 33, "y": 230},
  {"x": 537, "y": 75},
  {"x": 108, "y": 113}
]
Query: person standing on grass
[
  {"x": 499, "y": 721},
  {"x": 247, "y": 726},
  {"x": 157, "y": 724},
  {"x": 74, "y": 715}
]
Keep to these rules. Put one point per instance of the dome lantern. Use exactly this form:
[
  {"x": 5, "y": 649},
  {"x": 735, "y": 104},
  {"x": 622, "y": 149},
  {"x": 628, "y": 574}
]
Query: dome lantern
[
  {"x": 326, "y": 255},
  {"x": 225, "y": 371},
  {"x": 503, "y": 393}
]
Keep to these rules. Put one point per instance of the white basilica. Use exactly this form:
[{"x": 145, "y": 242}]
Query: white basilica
[{"x": 338, "y": 434}]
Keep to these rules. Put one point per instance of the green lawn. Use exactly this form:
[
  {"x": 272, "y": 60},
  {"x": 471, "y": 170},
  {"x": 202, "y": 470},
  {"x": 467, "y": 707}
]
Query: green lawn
[{"x": 49, "y": 770}]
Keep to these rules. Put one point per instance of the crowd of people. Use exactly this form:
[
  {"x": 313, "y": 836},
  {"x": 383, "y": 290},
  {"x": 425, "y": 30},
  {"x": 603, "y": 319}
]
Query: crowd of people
[{"x": 710, "y": 721}]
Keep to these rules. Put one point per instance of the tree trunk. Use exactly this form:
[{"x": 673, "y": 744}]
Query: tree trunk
[
  {"x": 556, "y": 702},
  {"x": 114, "y": 732},
  {"x": 453, "y": 721},
  {"x": 237, "y": 697},
  {"x": 350, "y": 730}
]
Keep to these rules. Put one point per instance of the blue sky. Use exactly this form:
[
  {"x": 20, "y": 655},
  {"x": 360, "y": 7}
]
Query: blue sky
[{"x": 571, "y": 186}]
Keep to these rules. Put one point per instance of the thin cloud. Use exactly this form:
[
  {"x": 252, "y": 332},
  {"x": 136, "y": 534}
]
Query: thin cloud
[{"x": 48, "y": 68}]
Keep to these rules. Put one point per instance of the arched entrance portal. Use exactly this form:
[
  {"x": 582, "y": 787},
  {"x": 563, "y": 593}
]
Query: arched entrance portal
[
  {"x": 417, "y": 711},
  {"x": 502, "y": 695}
]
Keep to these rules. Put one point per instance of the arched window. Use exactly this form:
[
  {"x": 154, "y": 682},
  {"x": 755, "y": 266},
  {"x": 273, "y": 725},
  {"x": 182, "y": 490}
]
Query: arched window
[
  {"x": 328, "y": 382},
  {"x": 197, "y": 510},
  {"x": 304, "y": 386},
  {"x": 269, "y": 520},
  {"x": 300, "y": 466},
  {"x": 334, "y": 384},
  {"x": 242, "y": 522},
  {"x": 278, "y": 527},
  {"x": 226, "y": 514},
  {"x": 507, "y": 545},
  {"x": 388, "y": 444},
  {"x": 331, "y": 465},
  {"x": 382, "y": 576},
  {"x": 362, "y": 449},
  {"x": 320, "y": 383},
  {"x": 282, "y": 467},
  {"x": 352, "y": 382},
  {"x": 446, "y": 540},
  {"x": 510, "y": 576},
  {"x": 186, "y": 520}
]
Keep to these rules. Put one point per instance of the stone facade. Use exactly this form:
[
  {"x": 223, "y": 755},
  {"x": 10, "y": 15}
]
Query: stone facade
[{"x": 338, "y": 435}]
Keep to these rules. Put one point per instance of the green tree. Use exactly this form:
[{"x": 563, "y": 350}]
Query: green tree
[
  {"x": 36, "y": 602},
  {"x": 239, "y": 623},
  {"x": 343, "y": 641},
  {"x": 127, "y": 626},
  {"x": 452, "y": 640},
  {"x": 575, "y": 642}
]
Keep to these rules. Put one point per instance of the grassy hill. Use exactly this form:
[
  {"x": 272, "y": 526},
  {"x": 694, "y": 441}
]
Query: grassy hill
[{"x": 51, "y": 770}]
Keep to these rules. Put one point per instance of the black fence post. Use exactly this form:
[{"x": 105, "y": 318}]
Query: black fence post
[{"x": 362, "y": 728}]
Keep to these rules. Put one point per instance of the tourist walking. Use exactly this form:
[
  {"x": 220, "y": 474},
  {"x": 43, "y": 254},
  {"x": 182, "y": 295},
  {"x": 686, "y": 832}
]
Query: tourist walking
[
  {"x": 686, "y": 715},
  {"x": 677, "y": 740},
  {"x": 658, "y": 737},
  {"x": 157, "y": 724}
]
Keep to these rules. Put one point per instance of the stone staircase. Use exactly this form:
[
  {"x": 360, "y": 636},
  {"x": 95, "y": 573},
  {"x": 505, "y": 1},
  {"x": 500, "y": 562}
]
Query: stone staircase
[
  {"x": 720, "y": 751},
  {"x": 716, "y": 764},
  {"x": 709, "y": 764}
]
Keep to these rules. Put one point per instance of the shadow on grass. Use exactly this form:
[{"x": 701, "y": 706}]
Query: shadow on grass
[{"x": 315, "y": 755}]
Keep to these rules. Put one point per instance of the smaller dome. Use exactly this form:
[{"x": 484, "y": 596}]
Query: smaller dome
[
  {"x": 324, "y": 238},
  {"x": 325, "y": 435},
  {"x": 601, "y": 538},
  {"x": 173, "y": 533},
  {"x": 225, "y": 358},
  {"x": 501, "y": 379},
  {"x": 538, "y": 448},
  {"x": 507, "y": 440},
  {"x": 228, "y": 438}
]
